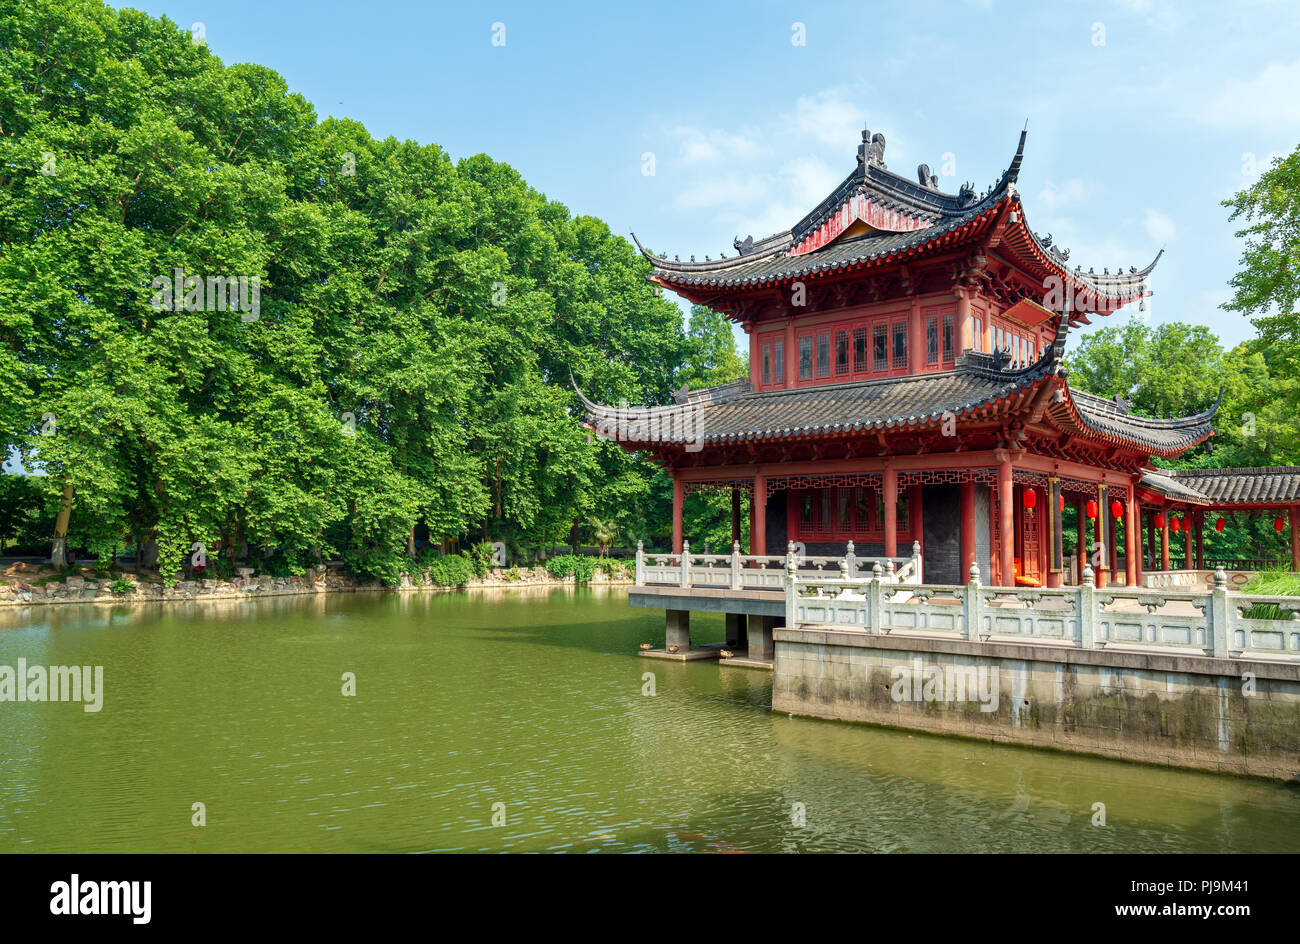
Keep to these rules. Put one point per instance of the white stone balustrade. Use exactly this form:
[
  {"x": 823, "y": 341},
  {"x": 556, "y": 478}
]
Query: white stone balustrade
[
  {"x": 1212, "y": 622},
  {"x": 736, "y": 571}
]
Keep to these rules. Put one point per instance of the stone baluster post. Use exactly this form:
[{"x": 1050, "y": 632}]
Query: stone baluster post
[
  {"x": 640, "y": 563},
  {"x": 850, "y": 562},
  {"x": 875, "y": 601},
  {"x": 686, "y": 563},
  {"x": 790, "y": 559},
  {"x": 1085, "y": 605},
  {"x": 791, "y": 590},
  {"x": 1220, "y": 617},
  {"x": 972, "y": 617},
  {"x": 735, "y": 565},
  {"x": 918, "y": 577}
]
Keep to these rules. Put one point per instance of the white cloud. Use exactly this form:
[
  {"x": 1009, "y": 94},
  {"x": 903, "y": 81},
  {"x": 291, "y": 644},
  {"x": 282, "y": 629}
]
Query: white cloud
[
  {"x": 1159, "y": 226},
  {"x": 1162, "y": 14},
  {"x": 698, "y": 146},
  {"x": 1052, "y": 197},
  {"x": 1269, "y": 99}
]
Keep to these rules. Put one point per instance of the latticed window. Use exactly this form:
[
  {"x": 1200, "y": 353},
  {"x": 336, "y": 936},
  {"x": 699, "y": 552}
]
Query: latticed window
[
  {"x": 932, "y": 340},
  {"x": 900, "y": 343},
  {"x": 767, "y": 363},
  {"x": 780, "y": 361},
  {"x": 859, "y": 350},
  {"x": 947, "y": 338},
  {"x": 823, "y": 355},
  {"x": 841, "y": 353},
  {"x": 880, "y": 343},
  {"x": 805, "y": 358}
]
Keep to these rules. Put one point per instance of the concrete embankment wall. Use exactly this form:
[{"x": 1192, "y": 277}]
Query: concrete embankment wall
[{"x": 1233, "y": 716}]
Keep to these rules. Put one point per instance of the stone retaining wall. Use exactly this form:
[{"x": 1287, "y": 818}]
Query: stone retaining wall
[
  {"x": 87, "y": 590},
  {"x": 1176, "y": 710}
]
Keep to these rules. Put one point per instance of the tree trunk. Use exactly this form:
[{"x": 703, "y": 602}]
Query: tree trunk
[{"x": 59, "y": 553}]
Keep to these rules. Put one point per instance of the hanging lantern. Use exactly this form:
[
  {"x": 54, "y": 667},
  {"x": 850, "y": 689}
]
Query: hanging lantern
[
  {"x": 1031, "y": 499},
  {"x": 1160, "y": 520},
  {"x": 1174, "y": 525},
  {"x": 1091, "y": 509},
  {"x": 1117, "y": 509},
  {"x": 1218, "y": 525},
  {"x": 1278, "y": 524},
  {"x": 1062, "y": 503}
]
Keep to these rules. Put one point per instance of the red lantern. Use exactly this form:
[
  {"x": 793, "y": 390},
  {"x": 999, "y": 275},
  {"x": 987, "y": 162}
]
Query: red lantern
[
  {"x": 1160, "y": 520},
  {"x": 1117, "y": 509},
  {"x": 1091, "y": 509},
  {"x": 1031, "y": 498},
  {"x": 1062, "y": 503},
  {"x": 1218, "y": 525},
  {"x": 1174, "y": 525},
  {"x": 1278, "y": 523}
]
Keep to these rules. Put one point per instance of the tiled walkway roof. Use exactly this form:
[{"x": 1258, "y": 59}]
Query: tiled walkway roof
[{"x": 1271, "y": 485}]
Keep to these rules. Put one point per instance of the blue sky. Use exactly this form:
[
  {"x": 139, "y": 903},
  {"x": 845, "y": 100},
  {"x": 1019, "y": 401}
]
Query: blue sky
[{"x": 1143, "y": 114}]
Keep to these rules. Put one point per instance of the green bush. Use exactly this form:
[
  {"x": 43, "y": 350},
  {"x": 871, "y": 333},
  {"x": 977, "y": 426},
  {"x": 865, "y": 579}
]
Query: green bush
[
  {"x": 571, "y": 565},
  {"x": 122, "y": 585},
  {"x": 480, "y": 555},
  {"x": 451, "y": 570}
]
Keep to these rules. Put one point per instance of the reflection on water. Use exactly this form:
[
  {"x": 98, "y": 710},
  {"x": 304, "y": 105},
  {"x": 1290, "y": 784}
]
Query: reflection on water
[{"x": 531, "y": 699}]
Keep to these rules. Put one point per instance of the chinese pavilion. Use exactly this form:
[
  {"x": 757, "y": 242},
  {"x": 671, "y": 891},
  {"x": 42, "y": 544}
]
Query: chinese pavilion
[{"x": 906, "y": 384}]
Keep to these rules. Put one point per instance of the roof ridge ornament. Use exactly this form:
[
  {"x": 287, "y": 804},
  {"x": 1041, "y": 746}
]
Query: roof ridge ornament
[{"x": 871, "y": 151}]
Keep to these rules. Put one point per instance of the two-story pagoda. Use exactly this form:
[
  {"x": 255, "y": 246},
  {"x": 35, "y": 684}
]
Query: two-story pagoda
[{"x": 906, "y": 384}]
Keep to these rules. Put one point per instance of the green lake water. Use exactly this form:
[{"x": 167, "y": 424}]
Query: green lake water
[{"x": 530, "y": 699}]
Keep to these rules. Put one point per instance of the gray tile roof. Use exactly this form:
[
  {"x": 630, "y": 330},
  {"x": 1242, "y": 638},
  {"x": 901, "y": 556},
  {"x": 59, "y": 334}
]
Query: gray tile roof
[
  {"x": 735, "y": 412},
  {"x": 769, "y": 260},
  {"x": 1271, "y": 485}
]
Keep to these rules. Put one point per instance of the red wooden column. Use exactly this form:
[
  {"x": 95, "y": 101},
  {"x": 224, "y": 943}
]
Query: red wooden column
[
  {"x": 961, "y": 321},
  {"x": 735, "y": 513},
  {"x": 1164, "y": 540},
  {"x": 968, "y": 532},
  {"x": 889, "y": 481},
  {"x": 1132, "y": 552},
  {"x": 1101, "y": 532},
  {"x": 1006, "y": 522},
  {"x": 1055, "y": 561},
  {"x": 678, "y": 496},
  {"x": 1293, "y": 516},
  {"x": 915, "y": 517},
  {"x": 790, "y": 354},
  {"x": 1081, "y": 546},
  {"x": 758, "y": 517},
  {"x": 916, "y": 334}
]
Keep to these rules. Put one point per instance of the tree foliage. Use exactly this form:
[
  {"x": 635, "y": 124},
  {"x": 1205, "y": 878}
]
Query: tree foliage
[{"x": 409, "y": 355}]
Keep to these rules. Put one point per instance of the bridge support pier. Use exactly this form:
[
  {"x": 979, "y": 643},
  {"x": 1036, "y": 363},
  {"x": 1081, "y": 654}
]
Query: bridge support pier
[
  {"x": 677, "y": 629},
  {"x": 760, "y": 638}
]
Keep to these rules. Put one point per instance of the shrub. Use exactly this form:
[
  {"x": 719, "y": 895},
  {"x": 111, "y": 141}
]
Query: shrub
[
  {"x": 451, "y": 570},
  {"x": 480, "y": 555},
  {"x": 122, "y": 585},
  {"x": 570, "y": 565}
]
